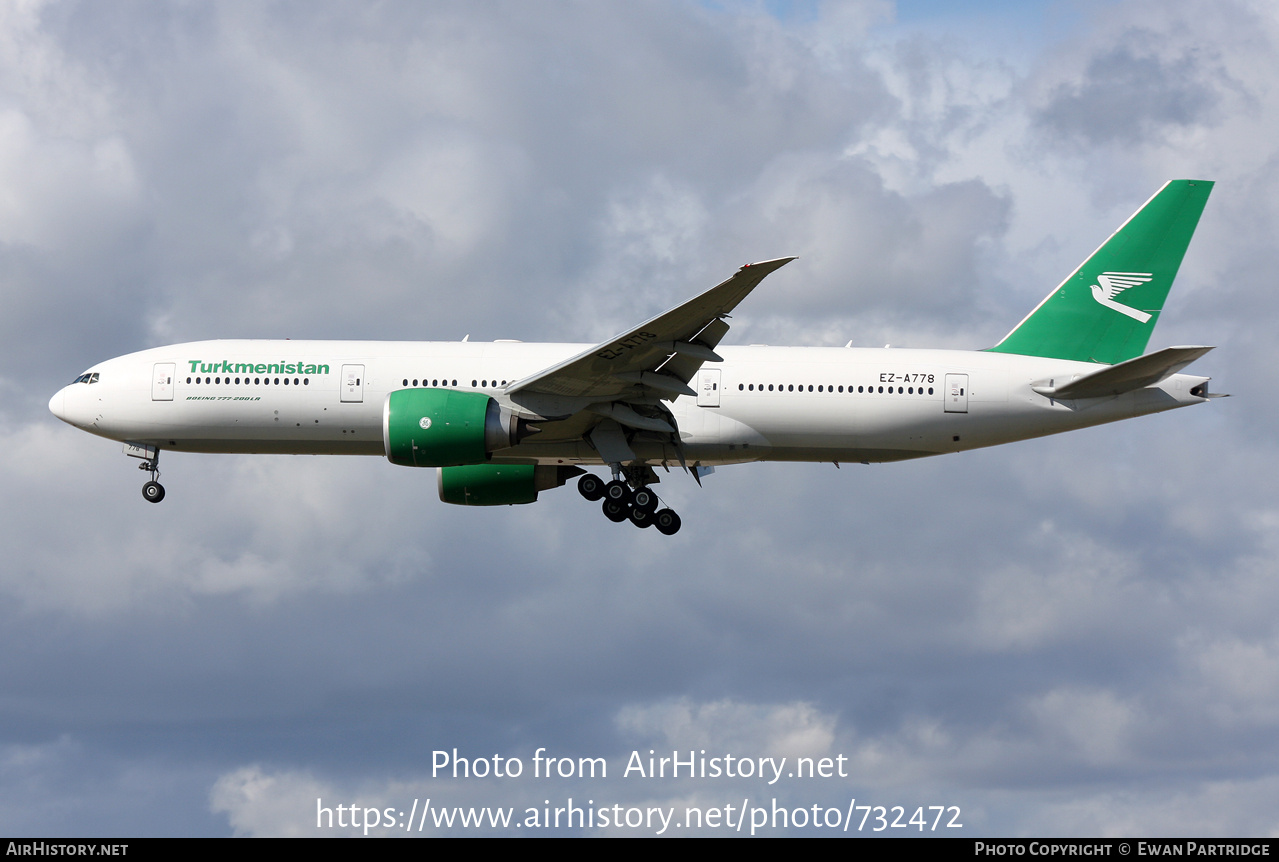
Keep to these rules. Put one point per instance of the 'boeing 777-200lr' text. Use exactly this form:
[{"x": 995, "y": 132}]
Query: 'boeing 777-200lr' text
[{"x": 503, "y": 421}]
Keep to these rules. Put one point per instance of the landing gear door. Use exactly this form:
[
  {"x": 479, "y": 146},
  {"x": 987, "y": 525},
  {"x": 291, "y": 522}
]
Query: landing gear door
[
  {"x": 162, "y": 381},
  {"x": 352, "y": 383},
  {"x": 708, "y": 387},
  {"x": 956, "y": 393}
]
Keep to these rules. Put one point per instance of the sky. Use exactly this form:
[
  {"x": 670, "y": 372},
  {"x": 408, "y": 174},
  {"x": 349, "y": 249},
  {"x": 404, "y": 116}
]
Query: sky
[{"x": 1068, "y": 636}]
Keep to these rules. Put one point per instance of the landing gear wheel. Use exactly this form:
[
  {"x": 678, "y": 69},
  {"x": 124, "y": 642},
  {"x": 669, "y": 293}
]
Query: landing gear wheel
[
  {"x": 667, "y": 522},
  {"x": 615, "y": 511},
  {"x": 618, "y": 492},
  {"x": 153, "y": 492},
  {"x": 591, "y": 487},
  {"x": 639, "y": 517},
  {"x": 646, "y": 500}
]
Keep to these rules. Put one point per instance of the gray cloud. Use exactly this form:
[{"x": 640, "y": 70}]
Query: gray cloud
[{"x": 1128, "y": 96}]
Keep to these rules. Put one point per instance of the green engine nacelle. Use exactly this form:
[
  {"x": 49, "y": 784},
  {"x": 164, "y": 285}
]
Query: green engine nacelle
[
  {"x": 444, "y": 428},
  {"x": 500, "y": 484}
]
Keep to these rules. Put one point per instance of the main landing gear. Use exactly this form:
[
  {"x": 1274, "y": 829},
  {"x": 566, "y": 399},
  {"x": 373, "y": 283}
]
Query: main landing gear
[{"x": 638, "y": 506}]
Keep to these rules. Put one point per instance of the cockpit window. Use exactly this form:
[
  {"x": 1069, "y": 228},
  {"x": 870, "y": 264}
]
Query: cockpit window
[{"x": 87, "y": 377}]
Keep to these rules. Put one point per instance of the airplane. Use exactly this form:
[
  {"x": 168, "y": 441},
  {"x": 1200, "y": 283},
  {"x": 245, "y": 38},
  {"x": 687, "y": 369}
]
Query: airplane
[{"x": 503, "y": 421}]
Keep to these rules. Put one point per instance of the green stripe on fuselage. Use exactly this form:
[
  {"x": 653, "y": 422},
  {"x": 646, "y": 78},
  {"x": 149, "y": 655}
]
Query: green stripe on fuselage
[{"x": 1107, "y": 309}]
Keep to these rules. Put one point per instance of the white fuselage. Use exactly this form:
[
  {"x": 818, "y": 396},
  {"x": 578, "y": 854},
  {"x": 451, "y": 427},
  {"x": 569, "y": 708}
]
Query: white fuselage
[{"x": 760, "y": 403}]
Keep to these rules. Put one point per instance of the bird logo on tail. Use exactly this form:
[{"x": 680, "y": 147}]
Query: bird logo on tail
[{"x": 1111, "y": 284}]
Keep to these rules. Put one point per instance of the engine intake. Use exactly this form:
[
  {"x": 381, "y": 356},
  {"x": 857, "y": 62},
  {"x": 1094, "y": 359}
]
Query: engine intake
[{"x": 446, "y": 428}]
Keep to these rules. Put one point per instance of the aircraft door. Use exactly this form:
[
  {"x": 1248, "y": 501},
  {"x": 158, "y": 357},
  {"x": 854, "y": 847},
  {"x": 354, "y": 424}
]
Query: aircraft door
[
  {"x": 708, "y": 387},
  {"x": 352, "y": 384},
  {"x": 956, "y": 393},
  {"x": 162, "y": 381}
]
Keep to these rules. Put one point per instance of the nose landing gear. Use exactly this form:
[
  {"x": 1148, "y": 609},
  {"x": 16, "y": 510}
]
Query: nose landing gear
[{"x": 152, "y": 491}]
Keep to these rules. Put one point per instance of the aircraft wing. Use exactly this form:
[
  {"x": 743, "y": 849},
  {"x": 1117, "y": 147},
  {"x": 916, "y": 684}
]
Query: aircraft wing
[{"x": 655, "y": 360}]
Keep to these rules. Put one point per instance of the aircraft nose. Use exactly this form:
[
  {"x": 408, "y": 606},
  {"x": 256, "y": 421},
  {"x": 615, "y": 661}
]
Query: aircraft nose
[{"x": 58, "y": 404}]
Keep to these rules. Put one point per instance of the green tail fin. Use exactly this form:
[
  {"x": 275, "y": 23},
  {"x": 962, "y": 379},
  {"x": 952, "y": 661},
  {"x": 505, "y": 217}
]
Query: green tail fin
[{"x": 1106, "y": 310}]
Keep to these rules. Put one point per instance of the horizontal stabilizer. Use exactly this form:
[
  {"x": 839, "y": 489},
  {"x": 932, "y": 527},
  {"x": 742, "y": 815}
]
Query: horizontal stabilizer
[{"x": 1126, "y": 376}]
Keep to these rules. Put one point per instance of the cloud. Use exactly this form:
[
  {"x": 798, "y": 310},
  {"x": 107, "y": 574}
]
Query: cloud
[
  {"x": 719, "y": 745},
  {"x": 1128, "y": 96},
  {"x": 260, "y": 804},
  {"x": 1067, "y": 635},
  {"x": 791, "y": 730}
]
